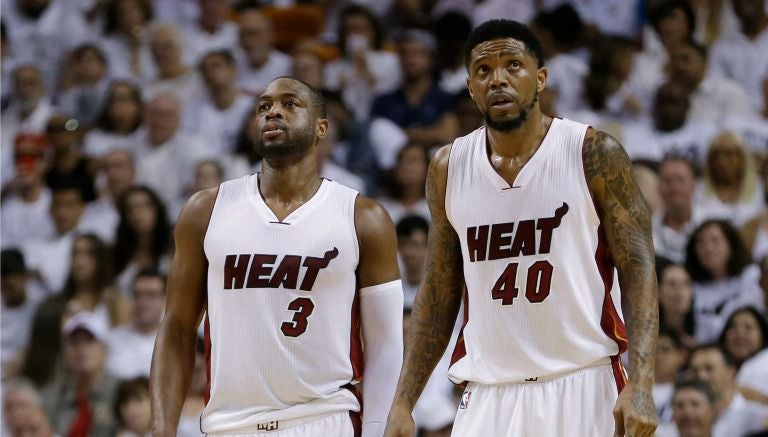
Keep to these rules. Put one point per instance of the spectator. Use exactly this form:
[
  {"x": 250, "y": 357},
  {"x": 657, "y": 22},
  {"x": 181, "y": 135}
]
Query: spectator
[
  {"x": 89, "y": 285},
  {"x": 119, "y": 124},
  {"x": 85, "y": 84},
  {"x": 80, "y": 403},
  {"x": 211, "y": 31},
  {"x": 419, "y": 106},
  {"x": 451, "y": 31},
  {"x": 143, "y": 235},
  {"x": 174, "y": 75},
  {"x": 166, "y": 157},
  {"x": 745, "y": 335},
  {"x": 676, "y": 301},
  {"x": 16, "y": 312},
  {"x": 671, "y": 356},
  {"x": 723, "y": 277},
  {"x": 20, "y": 398},
  {"x": 218, "y": 116},
  {"x": 670, "y": 130},
  {"x": 125, "y": 28},
  {"x": 693, "y": 411},
  {"x": 736, "y": 417},
  {"x": 364, "y": 70},
  {"x": 308, "y": 66},
  {"x": 131, "y": 346},
  {"x": 65, "y": 135},
  {"x": 467, "y": 114},
  {"x": 328, "y": 168},
  {"x": 673, "y": 22},
  {"x": 712, "y": 98},
  {"x": 404, "y": 189},
  {"x": 118, "y": 175},
  {"x": 132, "y": 409},
  {"x": 259, "y": 62},
  {"x": 27, "y": 112},
  {"x": 49, "y": 258},
  {"x": 43, "y": 362},
  {"x": 412, "y": 234},
  {"x": 678, "y": 216},
  {"x": 32, "y": 423},
  {"x": 743, "y": 56},
  {"x": 730, "y": 189},
  {"x": 26, "y": 201}
]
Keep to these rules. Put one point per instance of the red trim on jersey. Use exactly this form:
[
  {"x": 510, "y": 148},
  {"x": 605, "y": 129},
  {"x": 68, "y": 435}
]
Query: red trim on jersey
[
  {"x": 610, "y": 321},
  {"x": 460, "y": 350},
  {"x": 355, "y": 341},
  {"x": 207, "y": 339},
  {"x": 356, "y": 416},
  {"x": 618, "y": 372}
]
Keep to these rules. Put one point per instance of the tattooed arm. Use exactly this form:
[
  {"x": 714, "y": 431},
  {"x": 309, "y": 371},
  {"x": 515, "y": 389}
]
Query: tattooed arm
[
  {"x": 626, "y": 221},
  {"x": 436, "y": 306}
]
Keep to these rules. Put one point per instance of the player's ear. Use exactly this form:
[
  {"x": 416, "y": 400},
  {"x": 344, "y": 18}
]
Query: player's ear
[
  {"x": 541, "y": 78},
  {"x": 321, "y": 127}
]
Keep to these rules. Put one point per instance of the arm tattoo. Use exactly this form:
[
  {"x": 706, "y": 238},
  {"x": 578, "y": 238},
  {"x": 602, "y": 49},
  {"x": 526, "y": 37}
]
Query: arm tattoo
[
  {"x": 626, "y": 219},
  {"x": 437, "y": 302}
]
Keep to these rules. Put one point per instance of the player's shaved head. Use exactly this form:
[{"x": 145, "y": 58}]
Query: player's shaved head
[{"x": 312, "y": 95}]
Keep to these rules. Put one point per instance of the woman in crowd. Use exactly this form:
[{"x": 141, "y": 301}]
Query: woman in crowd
[
  {"x": 143, "y": 235},
  {"x": 676, "y": 301},
  {"x": 731, "y": 189},
  {"x": 404, "y": 189},
  {"x": 745, "y": 334},
  {"x": 724, "y": 278},
  {"x": 89, "y": 286},
  {"x": 125, "y": 24},
  {"x": 120, "y": 120}
]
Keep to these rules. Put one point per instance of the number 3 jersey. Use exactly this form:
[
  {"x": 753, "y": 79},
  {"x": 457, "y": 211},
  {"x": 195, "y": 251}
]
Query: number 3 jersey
[
  {"x": 542, "y": 297},
  {"x": 282, "y": 324}
]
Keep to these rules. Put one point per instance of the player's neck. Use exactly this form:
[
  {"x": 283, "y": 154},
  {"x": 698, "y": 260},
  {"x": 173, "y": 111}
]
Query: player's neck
[
  {"x": 287, "y": 181},
  {"x": 521, "y": 141}
]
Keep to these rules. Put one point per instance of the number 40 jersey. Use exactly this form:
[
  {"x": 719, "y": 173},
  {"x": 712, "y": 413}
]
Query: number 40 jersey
[
  {"x": 282, "y": 324},
  {"x": 542, "y": 295}
]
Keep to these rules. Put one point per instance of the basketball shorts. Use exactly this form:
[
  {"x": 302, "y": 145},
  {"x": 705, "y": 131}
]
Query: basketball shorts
[
  {"x": 344, "y": 424},
  {"x": 577, "y": 404}
]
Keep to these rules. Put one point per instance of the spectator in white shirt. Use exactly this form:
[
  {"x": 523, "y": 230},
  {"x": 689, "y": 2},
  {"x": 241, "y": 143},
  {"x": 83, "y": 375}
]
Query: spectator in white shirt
[
  {"x": 174, "y": 75},
  {"x": 211, "y": 32},
  {"x": 736, "y": 417},
  {"x": 16, "y": 312},
  {"x": 166, "y": 157},
  {"x": 364, "y": 70},
  {"x": 26, "y": 200},
  {"x": 676, "y": 301},
  {"x": 693, "y": 411},
  {"x": 712, "y": 98},
  {"x": 218, "y": 116},
  {"x": 86, "y": 82},
  {"x": 674, "y": 222},
  {"x": 130, "y": 346},
  {"x": 258, "y": 61},
  {"x": 125, "y": 43},
  {"x": 119, "y": 125},
  {"x": 743, "y": 56},
  {"x": 117, "y": 174},
  {"x": 730, "y": 189},
  {"x": 671, "y": 355},
  {"x": 27, "y": 112},
  {"x": 724, "y": 279},
  {"x": 745, "y": 334}
]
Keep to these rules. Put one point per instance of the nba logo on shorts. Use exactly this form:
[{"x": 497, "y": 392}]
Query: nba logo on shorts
[{"x": 464, "y": 404}]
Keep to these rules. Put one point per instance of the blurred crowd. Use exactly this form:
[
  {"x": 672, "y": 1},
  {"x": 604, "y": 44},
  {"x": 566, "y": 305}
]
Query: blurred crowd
[{"x": 115, "y": 111}]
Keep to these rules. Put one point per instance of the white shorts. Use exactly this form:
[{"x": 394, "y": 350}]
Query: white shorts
[
  {"x": 346, "y": 424},
  {"x": 578, "y": 404}
]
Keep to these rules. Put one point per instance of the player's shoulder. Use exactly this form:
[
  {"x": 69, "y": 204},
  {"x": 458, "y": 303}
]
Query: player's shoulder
[
  {"x": 198, "y": 209},
  {"x": 369, "y": 212},
  {"x": 597, "y": 142}
]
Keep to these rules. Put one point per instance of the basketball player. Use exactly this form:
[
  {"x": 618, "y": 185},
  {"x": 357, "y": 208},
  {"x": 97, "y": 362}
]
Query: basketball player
[
  {"x": 533, "y": 215},
  {"x": 288, "y": 267}
]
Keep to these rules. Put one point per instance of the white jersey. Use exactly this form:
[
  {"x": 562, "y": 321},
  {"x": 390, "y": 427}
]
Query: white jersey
[
  {"x": 282, "y": 325},
  {"x": 541, "y": 290}
]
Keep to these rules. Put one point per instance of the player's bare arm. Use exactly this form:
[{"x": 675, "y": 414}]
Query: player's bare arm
[
  {"x": 436, "y": 306},
  {"x": 625, "y": 216},
  {"x": 174, "y": 356},
  {"x": 381, "y": 312}
]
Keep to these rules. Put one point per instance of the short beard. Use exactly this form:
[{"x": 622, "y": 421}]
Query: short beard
[
  {"x": 515, "y": 123},
  {"x": 291, "y": 147}
]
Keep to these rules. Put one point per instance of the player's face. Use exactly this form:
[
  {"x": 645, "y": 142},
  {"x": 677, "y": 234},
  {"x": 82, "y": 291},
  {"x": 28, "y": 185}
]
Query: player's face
[
  {"x": 692, "y": 412},
  {"x": 505, "y": 81},
  {"x": 286, "y": 123}
]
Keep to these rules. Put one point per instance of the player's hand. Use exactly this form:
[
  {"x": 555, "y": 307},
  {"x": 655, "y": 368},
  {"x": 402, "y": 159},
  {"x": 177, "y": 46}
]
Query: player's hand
[
  {"x": 635, "y": 413},
  {"x": 400, "y": 423}
]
